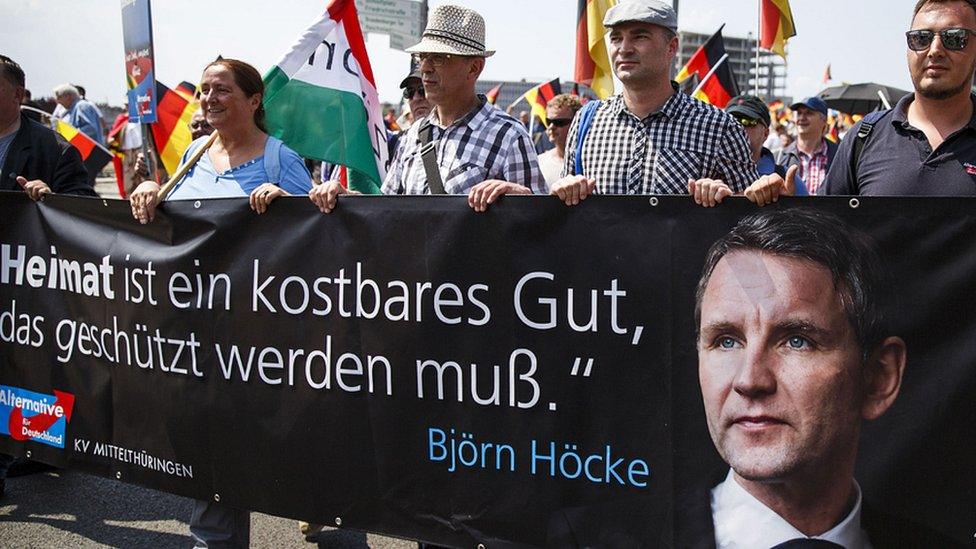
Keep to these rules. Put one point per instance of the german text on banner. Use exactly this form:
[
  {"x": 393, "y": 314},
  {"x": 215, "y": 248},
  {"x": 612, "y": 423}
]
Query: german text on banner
[
  {"x": 321, "y": 98},
  {"x": 534, "y": 375}
]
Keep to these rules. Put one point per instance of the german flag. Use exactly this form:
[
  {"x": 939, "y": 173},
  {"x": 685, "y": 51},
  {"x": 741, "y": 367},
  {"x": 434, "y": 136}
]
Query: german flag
[
  {"x": 93, "y": 155},
  {"x": 539, "y": 96},
  {"x": 592, "y": 59},
  {"x": 775, "y": 25},
  {"x": 492, "y": 94},
  {"x": 188, "y": 90},
  {"x": 171, "y": 132},
  {"x": 717, "y": 83}
]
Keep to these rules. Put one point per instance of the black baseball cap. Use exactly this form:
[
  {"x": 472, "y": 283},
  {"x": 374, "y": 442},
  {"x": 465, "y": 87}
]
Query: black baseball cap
[
  {"x": 414, "y": 74},
  {"x": 749, "y": 106}
]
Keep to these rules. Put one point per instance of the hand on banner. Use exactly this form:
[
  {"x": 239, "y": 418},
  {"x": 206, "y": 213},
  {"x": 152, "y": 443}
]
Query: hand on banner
[
  {"x": 708, "y": 192},
  {"x": 143, "y": 201},
  {"x": 262, "y": 196},
  {"x": 573, "y": 189},
  {"x": 768, "y": 188},
  {"x": 487, "y": 192},
  {"x": 327, "y": 194},
  {"x": 35, "y": 189}
]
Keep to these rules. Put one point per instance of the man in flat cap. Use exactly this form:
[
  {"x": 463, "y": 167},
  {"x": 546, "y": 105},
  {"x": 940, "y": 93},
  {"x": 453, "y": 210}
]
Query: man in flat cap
[
  {"x": 651, "y": 139},
  {"x": 466, "y": 145}
]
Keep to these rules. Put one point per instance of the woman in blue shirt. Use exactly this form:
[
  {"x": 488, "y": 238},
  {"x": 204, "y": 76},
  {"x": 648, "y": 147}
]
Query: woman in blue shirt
[{"x": 244, "y": 160}]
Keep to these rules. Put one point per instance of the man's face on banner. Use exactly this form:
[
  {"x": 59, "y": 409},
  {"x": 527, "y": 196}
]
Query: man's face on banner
[{"x": 779, "y": 367}]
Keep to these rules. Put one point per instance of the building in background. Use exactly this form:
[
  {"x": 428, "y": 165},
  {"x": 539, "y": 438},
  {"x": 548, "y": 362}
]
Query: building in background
[
  {"x": 512, "y": 90},
  {"x": 742, "y": 58}
]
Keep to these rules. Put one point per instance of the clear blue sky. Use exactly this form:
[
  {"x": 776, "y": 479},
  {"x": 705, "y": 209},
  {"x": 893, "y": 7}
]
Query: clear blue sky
[{"x": 59, "y": 41}]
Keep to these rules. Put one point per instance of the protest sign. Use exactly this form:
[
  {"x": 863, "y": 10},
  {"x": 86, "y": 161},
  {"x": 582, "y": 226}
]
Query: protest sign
[
  {"x": 407, "y": 366},
  {"x": 139, "y": 61}
]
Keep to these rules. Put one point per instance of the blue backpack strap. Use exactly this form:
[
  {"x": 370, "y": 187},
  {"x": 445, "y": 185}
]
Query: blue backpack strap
[
  {"x": 272, "y": 160},
  {"x": 586, "y": 120}
]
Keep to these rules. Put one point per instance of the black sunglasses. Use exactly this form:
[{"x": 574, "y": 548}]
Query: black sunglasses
[
  {"x": 409, "y": 92},
  {"x": 952, "y": 39},
  {"x": 559, "y": 122}
]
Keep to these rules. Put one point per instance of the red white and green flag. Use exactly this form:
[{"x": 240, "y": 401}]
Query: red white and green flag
[{"x": 321, "y": 99}]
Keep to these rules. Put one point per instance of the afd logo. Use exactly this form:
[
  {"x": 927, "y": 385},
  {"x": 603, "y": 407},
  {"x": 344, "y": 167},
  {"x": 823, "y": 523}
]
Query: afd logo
[{"x": 26, "y": 415}]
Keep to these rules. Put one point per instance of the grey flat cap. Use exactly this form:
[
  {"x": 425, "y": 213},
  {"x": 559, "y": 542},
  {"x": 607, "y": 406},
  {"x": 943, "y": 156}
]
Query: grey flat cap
[{"x": 642, "y": 11}]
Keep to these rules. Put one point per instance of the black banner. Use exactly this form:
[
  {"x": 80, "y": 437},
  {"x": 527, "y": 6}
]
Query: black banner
[{"x": 525, "y": 376}]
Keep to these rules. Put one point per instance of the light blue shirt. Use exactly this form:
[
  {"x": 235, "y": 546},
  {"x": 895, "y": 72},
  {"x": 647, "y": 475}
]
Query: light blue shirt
[
  {"x": 86, "y": 117},
  {"x": 204, "y": 181}
]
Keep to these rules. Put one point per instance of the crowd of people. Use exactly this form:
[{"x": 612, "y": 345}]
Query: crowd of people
[{"x": 647, "y": 139}]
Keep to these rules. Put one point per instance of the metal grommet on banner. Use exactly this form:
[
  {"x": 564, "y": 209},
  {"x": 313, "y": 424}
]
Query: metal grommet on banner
[
  {"x": 481, "y": 546},
  {"x": 653, "y": 201},
  {"x": 196, "y": 204},
  {"x": 338, "y": 521},
  {"x": 216, "y": 497},
  {"x": 118, "y": 475},
  {"x": 104, "y": 202},
  {"x": 855, "y": 203},
  {"x": 28, "y": 454}
]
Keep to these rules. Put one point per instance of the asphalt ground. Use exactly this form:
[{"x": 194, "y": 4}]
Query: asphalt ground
[{"x": 62, "y": 508}]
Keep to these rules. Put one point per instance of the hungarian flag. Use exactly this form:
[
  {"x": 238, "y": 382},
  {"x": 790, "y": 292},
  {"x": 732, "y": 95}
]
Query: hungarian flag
[
  {"x": 775, "y": 25},
  {"x": 171, "y": 132},
  {"x": 717, "y": 83},
  {"x": 94, "y": 156},
  {"x": 539, "y": 96},
  {"x": 592, "y": 59},
  {"x": 492, "y": 94},
  {"x": 321, "y": 98}
]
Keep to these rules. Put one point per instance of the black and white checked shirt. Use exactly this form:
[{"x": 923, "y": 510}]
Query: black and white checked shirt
[
  {"x": 485, "y": 144},
  {"x": 686, "y": 139}
]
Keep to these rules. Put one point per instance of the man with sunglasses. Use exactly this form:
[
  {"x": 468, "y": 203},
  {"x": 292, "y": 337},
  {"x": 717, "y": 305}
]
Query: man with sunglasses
[
  {"x": 559, "y": 115},
  {"x": 753, "y": 115},
  {"x": 416, "y": 97},
  {"x": 926, "y": 144},
  {"x": 466, "y": 145}
]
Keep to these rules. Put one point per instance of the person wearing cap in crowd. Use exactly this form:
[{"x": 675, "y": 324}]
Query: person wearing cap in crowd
[
  {"x": 559, "y": 115},
  {"x": 472, "y": 147},
  {"x": 416, "y": 97},
  {"x": 926, "y": 144},
  {"x": 811, "y": 151},
  {"x": 652, "y": 139},
  {"x": 750, "y": 112}
]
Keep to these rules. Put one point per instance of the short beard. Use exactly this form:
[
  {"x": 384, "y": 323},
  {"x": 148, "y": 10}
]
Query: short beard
[{"x": 940, "y": 94}]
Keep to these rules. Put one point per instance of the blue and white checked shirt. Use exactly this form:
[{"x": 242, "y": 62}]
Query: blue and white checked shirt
[
  {"x": 686, "y": 139},
  {"x": 484, "y": 144}
]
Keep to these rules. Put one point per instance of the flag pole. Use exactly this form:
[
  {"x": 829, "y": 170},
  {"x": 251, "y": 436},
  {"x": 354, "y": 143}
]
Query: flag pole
[
  {"x": 701, "y": 83},
  {"x": 755, "y": 81}
]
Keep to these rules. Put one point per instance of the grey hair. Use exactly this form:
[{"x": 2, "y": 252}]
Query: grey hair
[{"x": 66, "y": 89}]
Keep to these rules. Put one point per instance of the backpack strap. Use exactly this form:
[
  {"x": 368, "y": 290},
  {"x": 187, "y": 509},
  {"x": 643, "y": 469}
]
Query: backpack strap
[
  {"x": 586, "y": 120},
  {"x": 863, "y": 132},
  {"x": 272, "y": 160},
  {"x": 428, "y": 154}
]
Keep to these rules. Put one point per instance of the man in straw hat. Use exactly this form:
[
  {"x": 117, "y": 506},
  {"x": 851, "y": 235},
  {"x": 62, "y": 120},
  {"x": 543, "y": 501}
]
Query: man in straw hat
[
  {"x": 652, "y": 139},
  {"x": 466, "y": 145}
]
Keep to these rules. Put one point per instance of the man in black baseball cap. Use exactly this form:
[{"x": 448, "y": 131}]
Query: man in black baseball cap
[{"x": 753, "y": 115}]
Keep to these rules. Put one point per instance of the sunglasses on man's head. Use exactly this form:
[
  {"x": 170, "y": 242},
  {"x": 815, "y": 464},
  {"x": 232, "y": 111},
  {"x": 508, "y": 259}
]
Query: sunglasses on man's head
[
  {"x": 559, "y": 122},
  {"x": 952, "y": 39},
  {"x": 409, "y": 92}
]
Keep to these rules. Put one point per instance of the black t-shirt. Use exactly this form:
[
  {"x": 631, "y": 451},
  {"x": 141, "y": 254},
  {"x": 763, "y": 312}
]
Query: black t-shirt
[{"x": 897, "y": 160}]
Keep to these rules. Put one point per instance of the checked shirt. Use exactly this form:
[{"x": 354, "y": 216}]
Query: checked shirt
[
  {"x": 686, "y": 139},
  {"x": 485, "y": 144}
]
